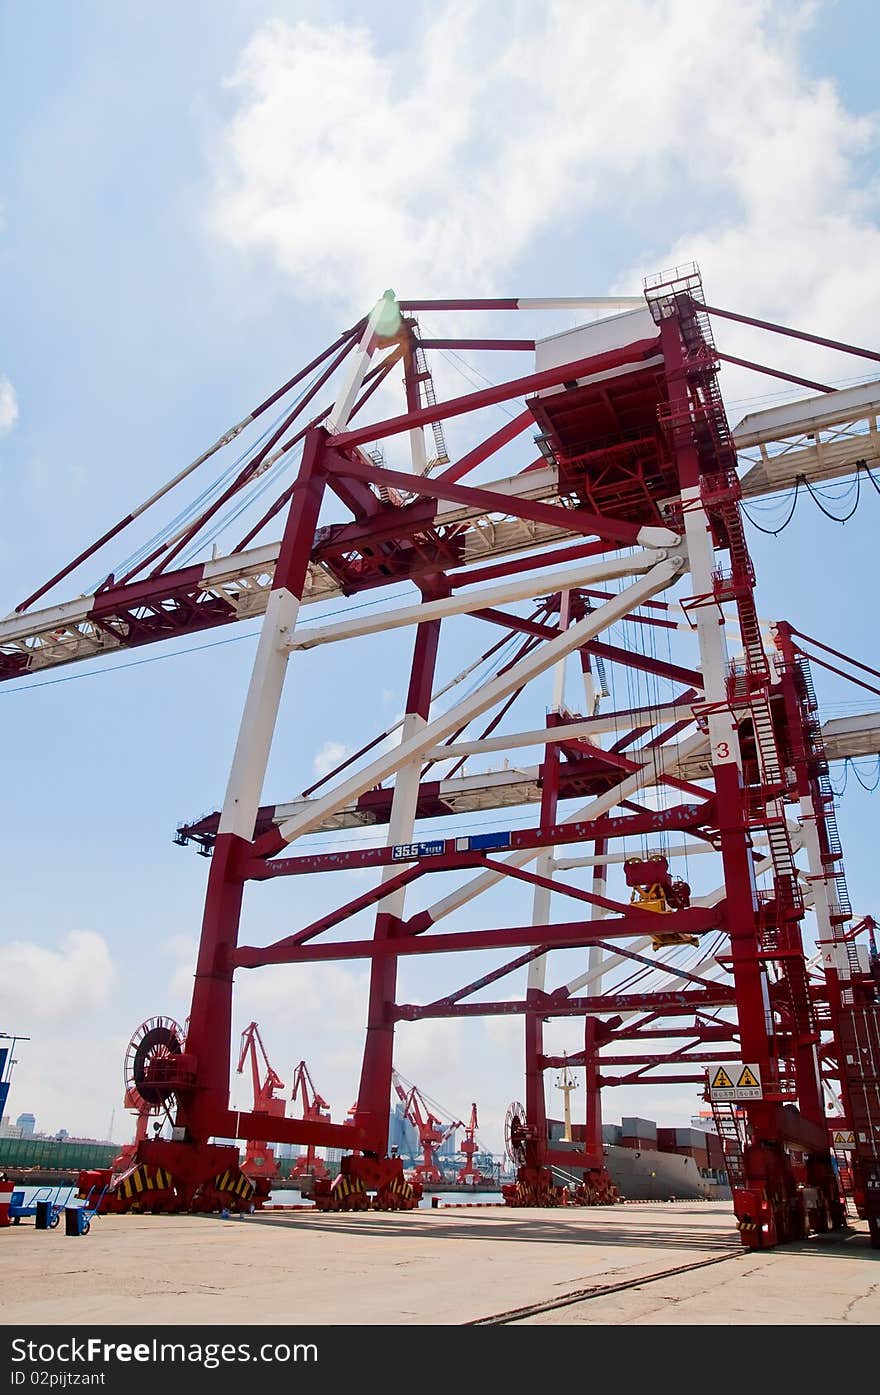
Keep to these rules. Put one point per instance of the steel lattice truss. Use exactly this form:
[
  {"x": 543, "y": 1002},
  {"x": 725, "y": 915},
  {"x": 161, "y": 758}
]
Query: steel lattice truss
[{"x": 624, "y": 512}]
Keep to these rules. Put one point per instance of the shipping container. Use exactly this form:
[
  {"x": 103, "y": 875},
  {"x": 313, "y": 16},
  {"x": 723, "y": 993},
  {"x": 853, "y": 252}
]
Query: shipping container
[
  {"x": 638, "y": 1128},
  {"x": 53, "y": 1154}
]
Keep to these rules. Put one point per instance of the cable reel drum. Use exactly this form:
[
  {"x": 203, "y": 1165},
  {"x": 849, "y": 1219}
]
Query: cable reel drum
[
  {"x": 150, "y": 1064},
  {"x": 515, "y": 1134}
]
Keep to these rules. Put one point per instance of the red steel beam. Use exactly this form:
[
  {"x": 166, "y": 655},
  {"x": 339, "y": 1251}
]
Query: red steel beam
[
  {"x": 509, "y": 345},
  {"x": 672, "y": 1004},
  {"x": 493, "y": 977},
  {"x": 572, "y": 520},
  {"x": 378, "y": 375},
  {"x": 838, "y": 654},
  {"x": 681, "y": 817},
  {"x": 651, "y": 1061},
  {"x": 790, "y": 333},
  {"x": 771, "y": 372},
  {"x": 413, "y": 306},
  {"x": 493, "y": 443},
  {"x": 573, "y": 934},
  {"x": 229, "y": 1123},
  {"x": 488, "y": 397},
  {"x": 612, "y": 1080}
]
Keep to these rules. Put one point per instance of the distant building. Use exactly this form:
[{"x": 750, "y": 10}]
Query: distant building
[
  {"x": 402, "y": 1135},
  {"x": 27, "y": 1123},
  {"x": 447, "y": 1148}
]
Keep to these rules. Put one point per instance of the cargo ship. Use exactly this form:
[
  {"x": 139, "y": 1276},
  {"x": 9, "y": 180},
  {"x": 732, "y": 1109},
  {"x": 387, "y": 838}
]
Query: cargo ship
[{"x": 647, "y": 1163}]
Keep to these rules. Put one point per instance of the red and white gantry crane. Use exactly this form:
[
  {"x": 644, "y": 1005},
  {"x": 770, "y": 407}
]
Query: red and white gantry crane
[{"x": 611, "y": 538}]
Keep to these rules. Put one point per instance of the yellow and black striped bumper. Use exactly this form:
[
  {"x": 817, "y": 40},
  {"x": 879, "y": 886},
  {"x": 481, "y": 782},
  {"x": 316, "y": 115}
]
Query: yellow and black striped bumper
[
  {"x": 235, "y": 1182},
  {"x": 141, "y": 1180}
]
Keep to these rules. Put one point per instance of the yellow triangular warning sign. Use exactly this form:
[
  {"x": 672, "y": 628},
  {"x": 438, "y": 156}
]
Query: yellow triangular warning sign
[
  {"x": 747, "y": 1078},
  {"x": 722, "y": 1080},
  {"x": 839, "y": 1138}
]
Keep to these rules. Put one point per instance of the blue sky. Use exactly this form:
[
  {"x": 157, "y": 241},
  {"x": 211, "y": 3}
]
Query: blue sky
[{"x": 194, "y": 200}]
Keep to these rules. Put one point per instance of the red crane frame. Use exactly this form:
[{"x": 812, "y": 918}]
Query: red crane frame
[{"x": 635, "y": 453}]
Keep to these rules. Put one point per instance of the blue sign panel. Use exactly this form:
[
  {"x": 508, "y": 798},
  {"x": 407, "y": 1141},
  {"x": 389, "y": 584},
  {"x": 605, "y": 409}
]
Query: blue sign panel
[{"x": 486, "y": 842}]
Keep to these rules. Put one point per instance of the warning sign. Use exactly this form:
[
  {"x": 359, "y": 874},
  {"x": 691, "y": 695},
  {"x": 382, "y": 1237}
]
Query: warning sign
[
  {"x": 843, "y": 1140},
  {"x": 735, "y": 1081},
  {"x": 721, "y": 1080},
  {"x": 747, "y": 1080}
]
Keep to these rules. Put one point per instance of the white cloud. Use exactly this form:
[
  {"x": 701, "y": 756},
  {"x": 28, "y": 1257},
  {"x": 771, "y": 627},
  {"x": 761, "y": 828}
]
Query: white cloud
[
  {"x": 55, "y": 985},
  {"x": 329, "y": 756},
  {"x": 431, "y": 1053},
  {"x": 436, "y": 168},
  {"x": 48, "y": 1081},
  {"x": 8, "y": 406},
  {"x": 505, "y": 1031},
  {"x": 311, "y": 997}
]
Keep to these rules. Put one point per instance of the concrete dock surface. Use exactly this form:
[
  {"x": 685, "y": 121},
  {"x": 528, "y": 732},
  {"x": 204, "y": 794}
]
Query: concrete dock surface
[{"x": 671, "y": 1263}]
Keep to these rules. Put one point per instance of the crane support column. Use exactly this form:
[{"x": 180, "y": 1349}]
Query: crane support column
[
  {"x": 208, "y": 1037},
  {"x": 767, "y": 1214},
  {"x": 374, "y": 1093}
]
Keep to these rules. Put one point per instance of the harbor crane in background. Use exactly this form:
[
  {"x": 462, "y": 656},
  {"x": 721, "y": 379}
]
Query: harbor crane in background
[
  {"x": 432, "y": 1133},
  {"x": 467, "y": 1172},
  {"x": 259, "y": 1159},
  {"x": 314, "y": 1107}
]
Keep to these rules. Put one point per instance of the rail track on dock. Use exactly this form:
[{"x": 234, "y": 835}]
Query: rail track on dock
[{"x": 583, "y": 1295}]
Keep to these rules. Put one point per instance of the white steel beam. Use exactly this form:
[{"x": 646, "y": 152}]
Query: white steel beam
[
  {"x": 542, "y": 895},
  {"x": 818, "y": 438},
  {"x": 566, "y": 864},
  {"x": 660, "y": 576},
  {"x": 357, "y": 367},
  {"x": 522, "y": 588},
  {"x": 723, "y": 737},
  {"x": 570, "y": 731},
  {"x": 258, "y": 720},
  {"x": 593, "y": 302}
]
